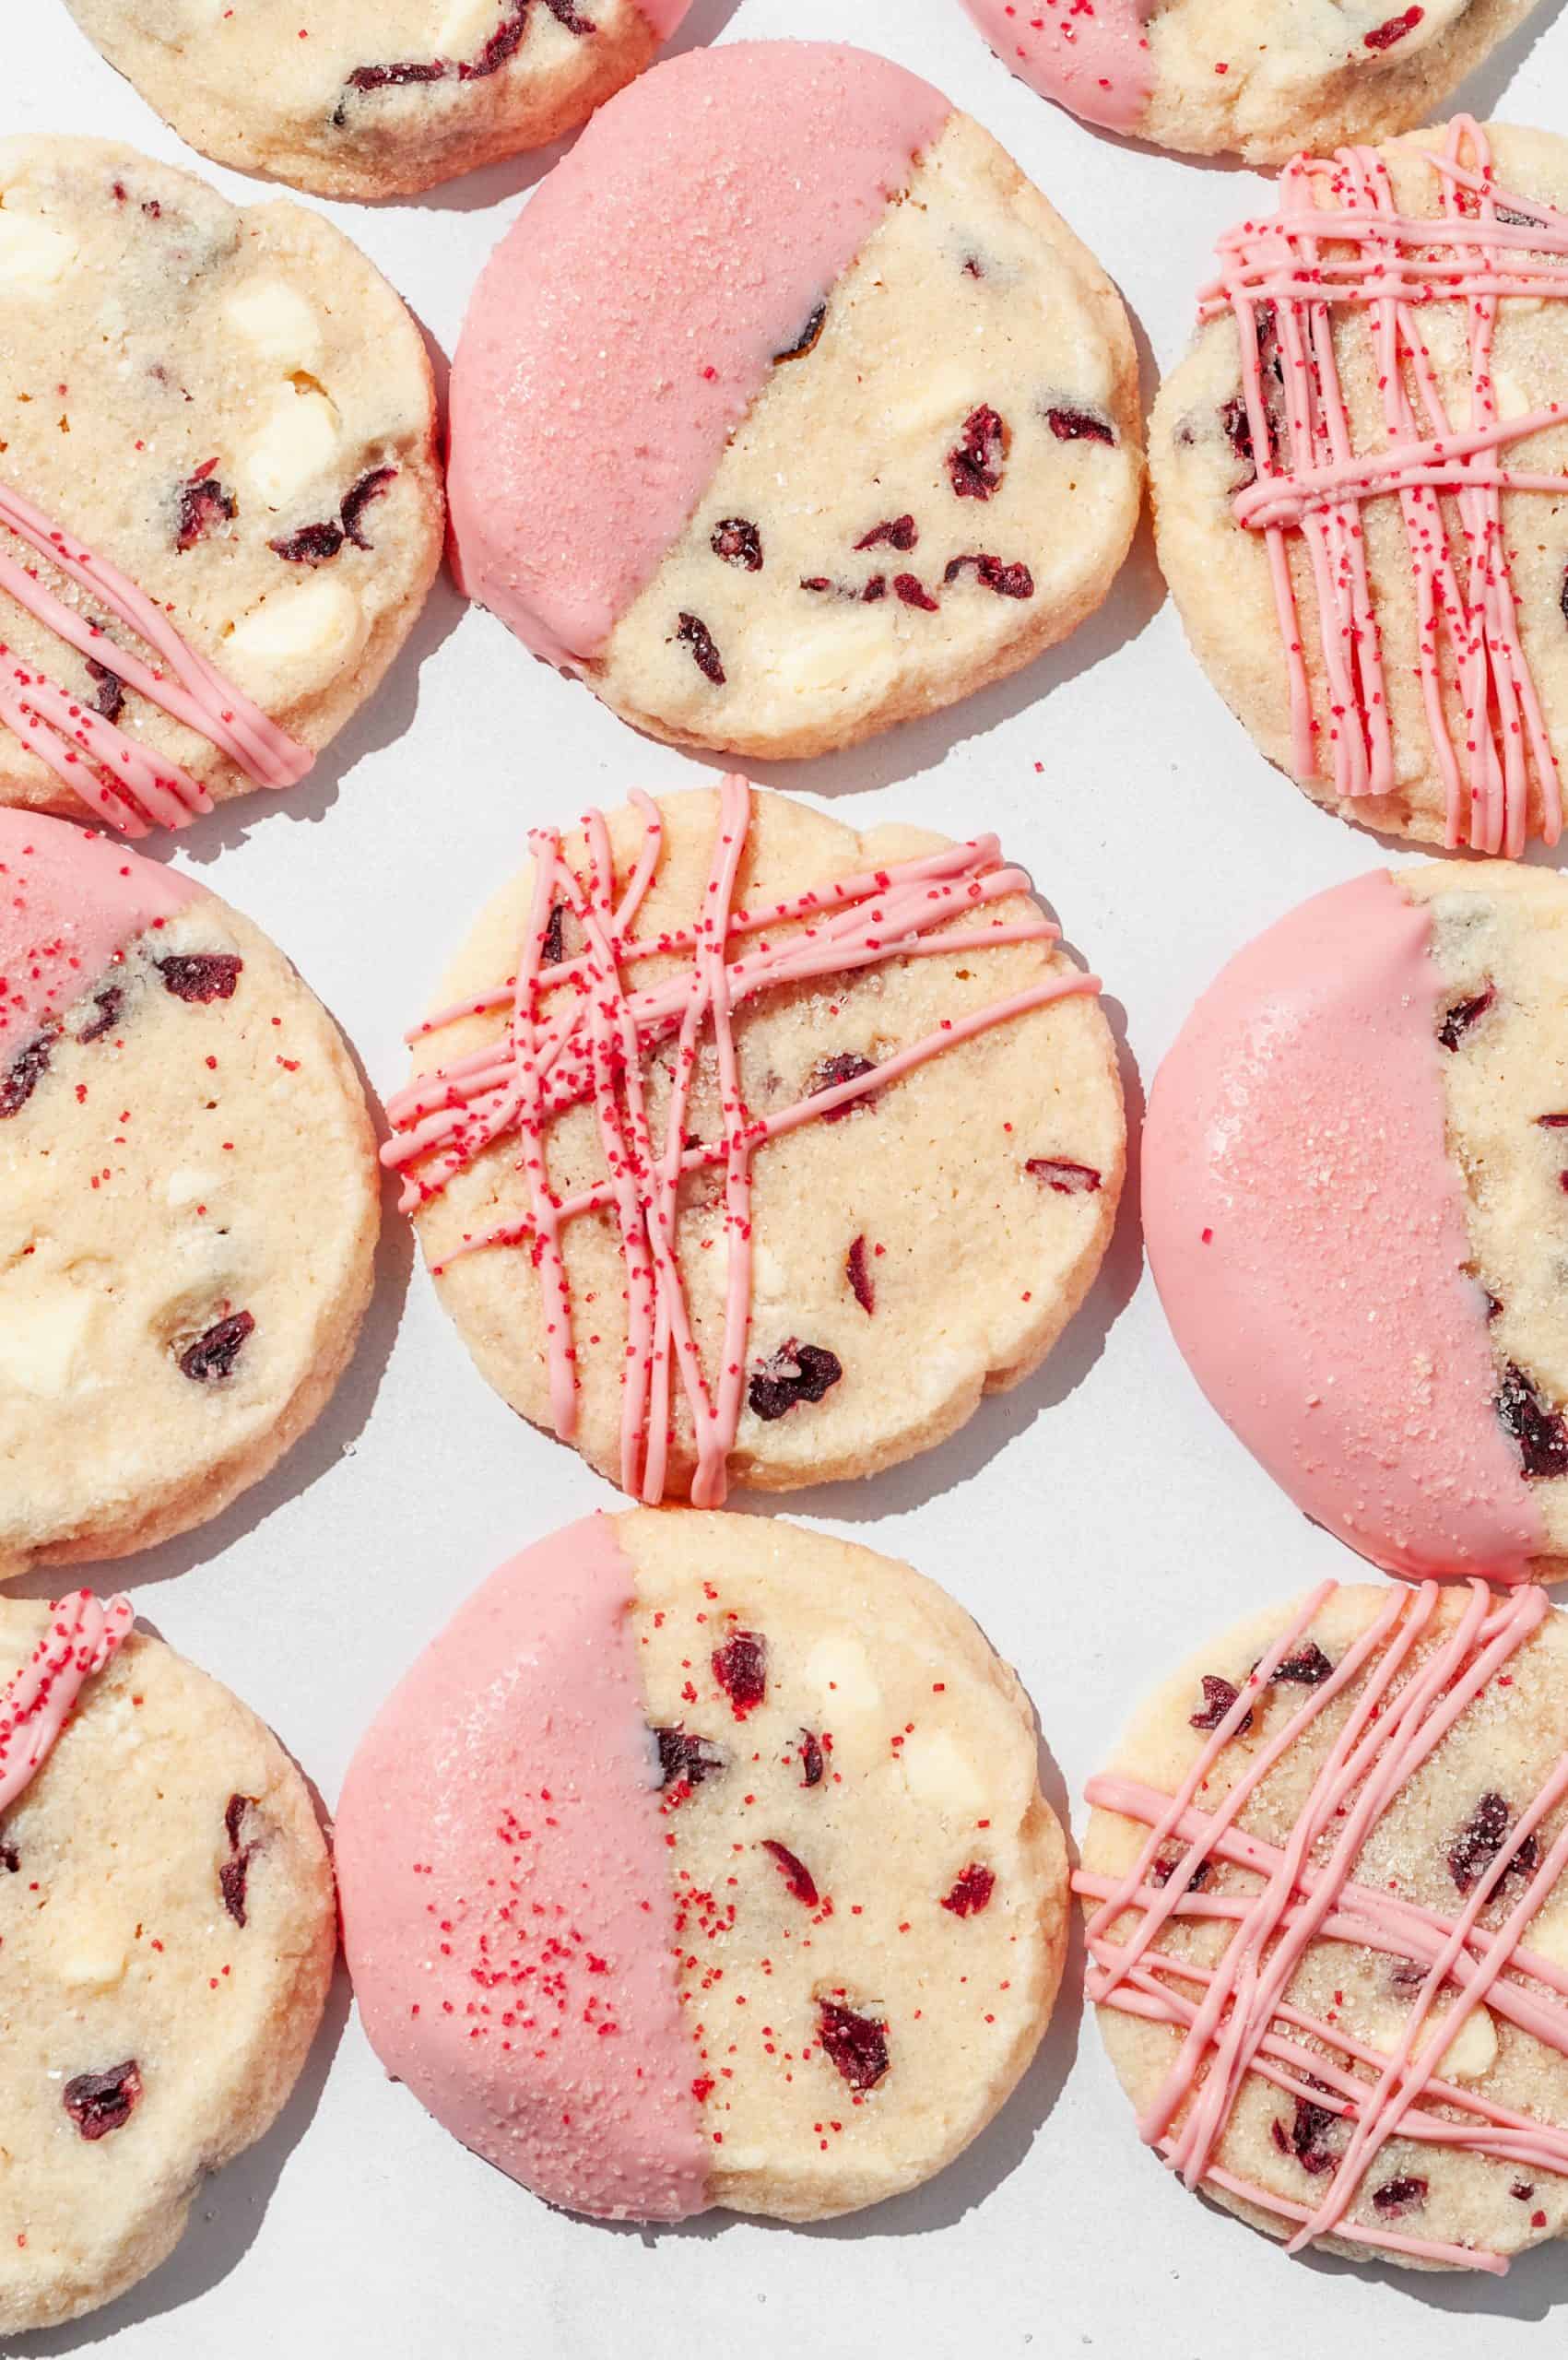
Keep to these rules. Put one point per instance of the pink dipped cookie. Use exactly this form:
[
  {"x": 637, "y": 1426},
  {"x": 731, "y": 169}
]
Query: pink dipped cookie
[
  {"x": 1259, "y": 78},
  {"x": 1357, "y": 1212},
  {"x": 701, "y": 1862},
  {"x": 790, "y": 409}
]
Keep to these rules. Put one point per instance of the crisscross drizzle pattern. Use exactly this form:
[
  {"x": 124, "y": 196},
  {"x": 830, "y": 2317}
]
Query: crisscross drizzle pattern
[
  {"x": 117, "y": 776},
  {"x": 1338, "y": 241},
  {"x": 1235, "y": 2020},
  {"x": 587, "y": 1045},
  {"x": 83, "y": 1632}
]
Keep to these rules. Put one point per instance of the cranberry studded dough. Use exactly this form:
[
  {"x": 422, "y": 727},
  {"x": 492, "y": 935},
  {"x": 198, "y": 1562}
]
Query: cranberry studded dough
[
  {"x": 734, "y": 1835},
  {"x": 376, "y": 99},
  {"x": 233, "y": 409},
  {"x": 167, "y": 1933}
]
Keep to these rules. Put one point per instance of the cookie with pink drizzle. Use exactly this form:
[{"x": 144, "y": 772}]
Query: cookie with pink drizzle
[
  {"x": 1361, "y": 474},
  {"x": 1258, "y": 77},
  {"x": 1328, "y": 1922},
  {"x": 219, "y": 506},
  {"x": 790, "y": 409},
  {"x": 375, "y": 98},
  {"x": 746, "y": 1148},
  {"x": 703, "y": 1862},
  {"x": 188, "y": 1200},
  {"x": 1356, "y": 1206},
  {"x": 166, "y": 1940}
]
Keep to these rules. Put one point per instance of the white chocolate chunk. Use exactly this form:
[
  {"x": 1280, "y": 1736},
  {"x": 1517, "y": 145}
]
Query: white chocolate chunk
[
  {"x": 298, "y": 443},
  {"x": 34, "y": 255},
  {"x": 319, "y": 621},
  {"x": 1473, "y": 2049},
  {"x": 937, "y": 1772},
  {"x": 43, "y": 1337},
  {"x": 839, "y": 1671},
  {"x": 276, "y": 323},
  {"x": 96, "y": 1960},
  {"x": 187, "y": 1187},
  {"x": 849, "y": 647},
  {"x": 465, "y": 26}
]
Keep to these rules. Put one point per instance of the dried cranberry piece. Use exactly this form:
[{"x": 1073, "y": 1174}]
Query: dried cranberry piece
[
  {"x": 1405, "y": 1975},
  {"x": 855, "y": 2044},
  {"x": 739, "y": 542},
  {"x": 110, "y": 700},
  {"x": 1219, "y": 1695},
  {"x": 875, "y": 589},
  {"x": 1309, "y": 1667},
  {"x": 1524, "y": 2190},
  {"x": 384, "y": 78},
  {"x": 1407, "y": 2193},
  {"x": 1006, "y": 580},
  {"x": 312, "y": 544},
  {"x": 552, "y": 950},
  {"x": 1066, "y": 1179},
  {"x": 10, "y": 1860},
  {"x": 234, "y": 1817},
  {"x": 740, "y": 1667},
  {"x": 974, "y": 467},
  {"x": 810, "y": 1758},
  {"x": 859, "y": 1276},
  {"x": 795, "y": 1373},
  {"x": 694, "y": 633},
  {"x": 204, "y": 502},
  {"x": 914, "y": 593},
  {"x": 808, "y": 338},
  {"x": 232, "y": 1878},
  {"x": 201, "y": 975},
  {"x": 108, "y": 1004},
  {"x": 1238, "y": 427},
  {"x": 358, "y": 498},
  {"x": 972, "y": 1891},
  {"x": 1562, "y": 600},
  {"x": 99, "y": 2102},
  {"x": 212, "y": 1357},
  {"x": 1080, "y": 425},
  {"x": 1163, "y": 1869},
  {"x": 796, "y": 1873},
  {"x": 1462, "y": 1015},
  {"x": 1538, "y": 1430},
  {"x": 1551, "y": 1122},
  {"x": 1384, "y": 36},
  {"x": 685, "y": 1760},
  {"x": 1480, "y": 1841},
  {"x": 26, "y": 1070},
  {"x": 899, "y": 533},
  {"x": 1305, "y": 2138},
  {"x": 829, "y": 1073}
]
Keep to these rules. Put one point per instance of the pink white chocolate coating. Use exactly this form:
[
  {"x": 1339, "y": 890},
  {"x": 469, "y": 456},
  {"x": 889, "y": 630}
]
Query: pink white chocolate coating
[
  {"x": 621, "y": 330},
  {"x": 82, "y": 1633},
  {"x": 507, "y": 1907},
  {"x": 69, "y": 903},
  {"x": 1307, "y": 1233},
  {"x": 1089, "y": 55}
]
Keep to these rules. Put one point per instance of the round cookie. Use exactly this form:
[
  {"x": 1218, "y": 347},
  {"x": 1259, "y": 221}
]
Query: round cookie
[
  {"x": 1328, "y": 1927},
  {"x": 220, "y": 507},
  {"x": 1362, "y": 501},
  {"x": 1353, "y": 1192},
  {"x": 1257, "y": 77},
  {"x": 705, "y": 1862},
  {"x": 357, "y": 101},
  {"x": 167, "y": 1933},
  {"x": 790, "y": 409},
  {"x": 188, "y": 1200},
  {"x": 772, "y": 1219}
]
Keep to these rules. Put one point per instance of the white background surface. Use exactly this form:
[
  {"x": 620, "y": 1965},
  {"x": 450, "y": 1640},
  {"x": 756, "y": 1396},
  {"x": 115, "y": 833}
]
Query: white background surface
[{"x": 1098, "y": 1523}]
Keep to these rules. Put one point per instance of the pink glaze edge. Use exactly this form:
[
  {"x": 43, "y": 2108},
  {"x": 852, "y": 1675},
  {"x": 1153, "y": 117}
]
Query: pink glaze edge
[
  {"x": 82, "y": 1633},
  {"x": 620, "y": 331},
  {"x": 1304, "y": 1319},
  {"x": 1092, "y": 60},
  {"x": 527, "y": 1713},
  {"x": 70, "y": 903}
]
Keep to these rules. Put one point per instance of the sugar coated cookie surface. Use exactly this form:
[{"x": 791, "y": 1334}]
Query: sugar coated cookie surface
[
  {"x": 703, "y": 1862},
  {"x": 1361, "y": 500},
  {"x": 363, "y": 101},
  {"x": 188, "y": 1200},
  {"x": 1261, "y": 77},
  {"x": 1328, "y": 1922},
  {"x": 1353, "y": 1192},
  {"x": 219, "y": 504},
  {"x": 746, "y": 1148},
  {"x": 789, "y": 409},
  {"x": 166, "y": 1940}
]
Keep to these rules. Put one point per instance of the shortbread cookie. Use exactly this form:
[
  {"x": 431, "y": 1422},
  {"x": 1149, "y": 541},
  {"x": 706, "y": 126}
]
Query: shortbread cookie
[
  {"x": 1328, "y": 1927},
  {"x": 188, "y": 1200},
  {"x": 219, "y": 504},
  {"x": 705, "y": 1862},
  {"x": 166, "y": 1941},
  {"x": 364, "y": 100},
  {"x": 790, "y": 409},
  {"x": 1363, "y": 504},
  {"x": 1355, "y": 1167},
  {"x": 774, "y": 1212},
  {"x": 1259, "y": 78}
]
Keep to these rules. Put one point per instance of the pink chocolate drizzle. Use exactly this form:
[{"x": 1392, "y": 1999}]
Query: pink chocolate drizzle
[
  {"x": 1338, "y": 240},
  {"x": 1240, "y": 2023},
  {"x": 1307, "y": 1233},
  {"x": 84, "y": 1632},
  {"x": 591, "y": 1046},
  {"x": 1089, "y": 55},
  {"x": 116, "y": 776},
  {"x": 508, "y": 1906},
  {"x": 69, "y": 903}
]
